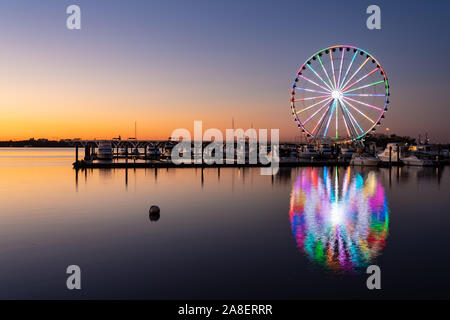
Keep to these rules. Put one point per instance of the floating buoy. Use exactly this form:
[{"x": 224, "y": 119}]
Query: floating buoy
[{"x": 154, "y": 213}]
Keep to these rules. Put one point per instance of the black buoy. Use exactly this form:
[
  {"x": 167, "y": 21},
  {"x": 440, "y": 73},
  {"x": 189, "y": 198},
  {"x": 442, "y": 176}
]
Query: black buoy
[{"x": 154, "y": 213}]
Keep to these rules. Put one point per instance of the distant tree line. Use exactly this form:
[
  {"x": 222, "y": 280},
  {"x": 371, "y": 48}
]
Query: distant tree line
[
  {"x": 381, "y": 140},
  {"x": 39, "y": 143}
]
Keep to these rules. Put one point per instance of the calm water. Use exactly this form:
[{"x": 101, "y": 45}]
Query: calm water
[{"x": 228, "y": 233}]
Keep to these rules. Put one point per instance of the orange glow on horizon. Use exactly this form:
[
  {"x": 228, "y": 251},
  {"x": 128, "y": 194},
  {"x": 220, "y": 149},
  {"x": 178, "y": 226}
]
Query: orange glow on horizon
[{"x": 91, "y": 109}]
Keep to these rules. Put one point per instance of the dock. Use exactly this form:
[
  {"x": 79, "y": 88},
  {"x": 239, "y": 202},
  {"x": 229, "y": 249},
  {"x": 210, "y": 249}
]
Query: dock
[
  {"x": 136, "y": 159},
  {"x": 168, "y": 164}
]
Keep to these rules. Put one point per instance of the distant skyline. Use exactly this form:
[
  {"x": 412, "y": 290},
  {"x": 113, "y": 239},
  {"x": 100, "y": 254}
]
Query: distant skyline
[{"x": 165, "y": 64}]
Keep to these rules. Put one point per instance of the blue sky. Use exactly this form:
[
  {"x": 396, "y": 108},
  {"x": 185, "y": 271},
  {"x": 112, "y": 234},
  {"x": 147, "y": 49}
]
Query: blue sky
[{"x": 191, "y": 60}]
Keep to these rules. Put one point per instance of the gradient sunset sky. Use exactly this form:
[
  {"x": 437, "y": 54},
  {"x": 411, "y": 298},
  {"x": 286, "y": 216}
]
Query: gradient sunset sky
[{"x": 168, "y": 63}]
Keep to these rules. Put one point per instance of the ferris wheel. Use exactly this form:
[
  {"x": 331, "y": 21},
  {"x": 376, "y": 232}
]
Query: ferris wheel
[{"x": 339, "y": 95}]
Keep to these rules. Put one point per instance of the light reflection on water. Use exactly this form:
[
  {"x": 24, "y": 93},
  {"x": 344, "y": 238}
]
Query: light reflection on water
[
  {"x": 339, "y": 223},
  {"x": 211, "y": 224}
]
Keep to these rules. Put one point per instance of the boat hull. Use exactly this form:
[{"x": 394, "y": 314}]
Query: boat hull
[
  {"x": 364, "y": 162},
  {"x": 104, "y": 156},
  {"x": 417, "y": 162}
]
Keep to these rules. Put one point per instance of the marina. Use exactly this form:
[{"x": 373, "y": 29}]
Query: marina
[
  {"x": 157, "y": 154},
  {"x": 214, "y": 158}
]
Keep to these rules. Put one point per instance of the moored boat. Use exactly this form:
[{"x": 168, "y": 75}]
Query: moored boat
[
  {"x": 167, "y": 150},
  {"x": 364, "y": 159},
  {"x": 414, "y": 160},
  {"x": 307, "y": 152},
  {"x": 392, "y": 149},
  {"x": 153, "y": 151},
  {"x": 105, "y": 151}
]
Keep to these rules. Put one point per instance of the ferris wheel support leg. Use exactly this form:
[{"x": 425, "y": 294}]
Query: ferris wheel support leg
[{"x": 360, "y": 143}]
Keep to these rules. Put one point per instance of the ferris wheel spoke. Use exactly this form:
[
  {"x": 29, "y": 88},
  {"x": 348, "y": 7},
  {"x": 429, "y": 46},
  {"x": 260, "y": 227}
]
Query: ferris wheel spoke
[
  {"x": 353, "y": 120},
  {"x": 363, "y": 95},
  {"x": 319, "y": 123},
  {"x": 315, "y": 104},
  {"x": 311, "y": 90},
  {"x": 321, "y": 108},
  {"x": 356, "y": 72},
  {"x": 317, "y": 75},
  {"x": 340, "y": 68},
  {"x": 332, "y": 68},
  {"x": 349, "y": 67},
  {"x": 325, "y": 71},
  {"x": 351, "y": 126},
  {"x": 309, "y": 80},
  {"x": 362, "y": 78},
  {"x": 345, "y": 122},
  {"x": 311, "y": 98},
  {"x": 337, "y": 121},
  {"x": 360, "y": 112},
  {"x": 366, "y": 86},
  {"x": 352, "y": 117},
  {"x": 329, "y": 117},
  {"x": 362, "y": 103}
]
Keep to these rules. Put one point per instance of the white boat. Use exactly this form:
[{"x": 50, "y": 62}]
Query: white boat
[
  {"x": 364, "y": 159},
  {"x": 122, "y": 151},
  {"x": 307, "y": 152},
  {"x": 153, "y": 151},
  {"x": 413, "y": 160},
  {"x": 105, "y": 151},
  {"x": 384, "y": 155}
]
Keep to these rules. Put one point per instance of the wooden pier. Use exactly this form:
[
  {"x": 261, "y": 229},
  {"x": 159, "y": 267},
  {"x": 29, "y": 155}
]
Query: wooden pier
[
  {"x": 169, "y": 164},
  {"x": 126, "y": 159}
]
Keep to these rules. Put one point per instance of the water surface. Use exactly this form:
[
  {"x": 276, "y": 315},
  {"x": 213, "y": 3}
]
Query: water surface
[{"x": 230, "y": 233}]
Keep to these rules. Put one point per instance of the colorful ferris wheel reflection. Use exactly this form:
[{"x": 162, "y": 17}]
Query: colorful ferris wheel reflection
[{"x": 339, "y": 223}]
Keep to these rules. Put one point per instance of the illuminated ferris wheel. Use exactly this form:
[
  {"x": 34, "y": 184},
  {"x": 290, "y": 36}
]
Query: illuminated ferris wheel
[{"x": 339, "y": 95}]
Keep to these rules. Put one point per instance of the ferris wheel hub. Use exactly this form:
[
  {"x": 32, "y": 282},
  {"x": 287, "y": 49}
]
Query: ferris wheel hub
[{"x": 336, "y": 94}]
